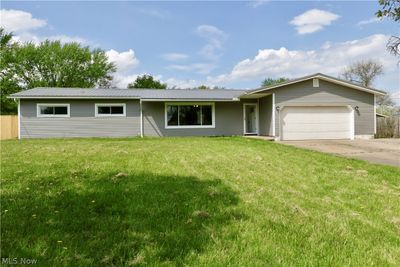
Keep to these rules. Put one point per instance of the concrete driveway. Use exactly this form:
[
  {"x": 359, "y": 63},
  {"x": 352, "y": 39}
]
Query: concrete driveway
[{"x": 383, "y": 151}]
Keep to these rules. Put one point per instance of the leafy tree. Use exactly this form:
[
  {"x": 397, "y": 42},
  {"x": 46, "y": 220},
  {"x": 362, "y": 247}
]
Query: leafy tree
[
  {"x": 270, "y": 81},
  {"x": 203, "y": 87},
  {"x": 363, "y": 72},
  {"x": 8, "y": 85},
  {"x": 391, "y": 10},
  {"x": 147, "y": 82},
  {"x": 49, "y": 64},
  {"x": 52, "y": 64}
]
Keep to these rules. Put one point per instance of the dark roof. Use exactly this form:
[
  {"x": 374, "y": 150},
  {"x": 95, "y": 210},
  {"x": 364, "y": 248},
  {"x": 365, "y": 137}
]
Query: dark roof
[{"x": 213, "y": 94}]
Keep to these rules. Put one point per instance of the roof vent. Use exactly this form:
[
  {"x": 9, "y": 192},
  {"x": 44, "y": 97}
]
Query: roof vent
[{"x": 315, "y": 83}]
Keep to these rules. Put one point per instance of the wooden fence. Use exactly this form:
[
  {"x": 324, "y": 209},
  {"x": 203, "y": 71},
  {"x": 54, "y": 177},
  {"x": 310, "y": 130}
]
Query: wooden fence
[
  {"x": 9, "y": 126},
  {"x": 388, "y": 127}
]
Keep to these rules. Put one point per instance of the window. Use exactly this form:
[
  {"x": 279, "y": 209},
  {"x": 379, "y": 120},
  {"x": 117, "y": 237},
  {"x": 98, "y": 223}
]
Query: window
[
  {"x": 107, "y": 110},
  {"x": 315, "y": 82},
  {"x": 53, "y": 110},
  {"x": 189, "y": 115}
]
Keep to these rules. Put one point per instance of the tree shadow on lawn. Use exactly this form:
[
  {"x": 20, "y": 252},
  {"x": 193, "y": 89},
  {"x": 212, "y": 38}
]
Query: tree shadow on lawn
[{"x": 108, "y": 220}]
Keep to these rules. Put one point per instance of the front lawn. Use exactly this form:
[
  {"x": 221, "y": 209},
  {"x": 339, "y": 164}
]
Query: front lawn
[{"x": 196, "y": 202}]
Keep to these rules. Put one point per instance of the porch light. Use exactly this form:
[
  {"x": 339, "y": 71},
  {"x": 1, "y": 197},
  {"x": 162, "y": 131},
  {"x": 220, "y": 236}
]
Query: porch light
[
  {"x": 356, "y": 108},
  {"x": 278, "y": 108}
]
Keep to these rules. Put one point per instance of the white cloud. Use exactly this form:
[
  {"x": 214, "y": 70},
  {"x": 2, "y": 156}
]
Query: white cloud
[
  {"x": 125, "y": 63},
  {"x": 313, "y": 20},
  {"x": 331, "y": 58},
  {"x": 182, "y": 84},
  {"x": 368, "y": 21},
  {"x": 22, "y": 24},
  {"x": 123, "y": 60},
  {"x": 175, "y": 56},
  {"x": 122, "y": 81},
  {"x": 200, "y": 68},
  {"x": 67, "y": 39},
  {"x": 257, "y": 3},
  {"x": 215, "y": 39},
  {"x": 33, "y": 38},
  {"x": 18, "y": 21}
]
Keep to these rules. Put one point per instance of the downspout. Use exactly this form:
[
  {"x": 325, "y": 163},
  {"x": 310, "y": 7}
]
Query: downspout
[
  {"x": 258, "y": 116},
  {"x": 141, "y": 118},
  {"x": 19, "y": 119},
  {"x": 374, "y": 114}
]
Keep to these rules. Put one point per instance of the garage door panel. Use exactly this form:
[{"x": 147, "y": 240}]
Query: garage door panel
[
  {"x": 302, "y": 123},
  {"x": 324, "y": 128},
  {"x": 306, "y": 136}
]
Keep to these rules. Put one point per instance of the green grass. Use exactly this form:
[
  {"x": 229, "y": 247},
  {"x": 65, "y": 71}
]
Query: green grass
[{"x": 196, "y": 202}]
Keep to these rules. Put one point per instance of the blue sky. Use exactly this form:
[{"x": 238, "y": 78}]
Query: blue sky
[{"x": 230, "y": 44}]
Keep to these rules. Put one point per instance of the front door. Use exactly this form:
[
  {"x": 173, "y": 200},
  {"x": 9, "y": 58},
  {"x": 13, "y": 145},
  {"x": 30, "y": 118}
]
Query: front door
[{"x": 250, "y": 113}]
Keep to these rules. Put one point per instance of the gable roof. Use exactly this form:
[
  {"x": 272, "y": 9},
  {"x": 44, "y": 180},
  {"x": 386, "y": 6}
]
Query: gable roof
[
  {"x": 323, "y": 77},
  {"x": 174, "y": 94},
  {"x": 144, "y": 94}
]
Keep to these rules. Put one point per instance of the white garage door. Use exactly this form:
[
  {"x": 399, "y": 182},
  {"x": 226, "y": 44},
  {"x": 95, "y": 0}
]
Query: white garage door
[{"x": 302, "y": 123}]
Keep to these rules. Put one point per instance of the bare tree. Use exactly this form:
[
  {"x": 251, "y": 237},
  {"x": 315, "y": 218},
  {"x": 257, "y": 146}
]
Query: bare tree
[
  {"x": 393, "y": 45},
  {"x": 363, "y": 72}
]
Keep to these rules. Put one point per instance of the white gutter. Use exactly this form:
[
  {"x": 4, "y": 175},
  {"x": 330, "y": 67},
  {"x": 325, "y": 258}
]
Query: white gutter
[
  {"x": 72, "y": 97},
  {"x": 374, "y": 114},
  {"x": 344, "y": 83},
  {"x": 188, "y": 100}
]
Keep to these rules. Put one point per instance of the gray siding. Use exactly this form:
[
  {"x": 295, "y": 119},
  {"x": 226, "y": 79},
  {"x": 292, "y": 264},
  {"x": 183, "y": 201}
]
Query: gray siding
[
  {"x": 228, "y": 121},
  {"x": 265, "y": 115},
  {"x": 328, "y": 94},
  {"x": 82, "y": 121},
  {"x": 228, "y": 115}
]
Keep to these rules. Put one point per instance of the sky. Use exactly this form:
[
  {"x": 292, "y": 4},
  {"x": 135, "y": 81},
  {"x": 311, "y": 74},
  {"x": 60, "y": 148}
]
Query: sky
[{"x": 234, "y": 44}]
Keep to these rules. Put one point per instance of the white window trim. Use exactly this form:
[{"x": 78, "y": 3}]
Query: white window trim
[
  {"x": 212, "y": 104},
  {"x": 52, "y": 115},
  {"x": 109, "y": 105}
]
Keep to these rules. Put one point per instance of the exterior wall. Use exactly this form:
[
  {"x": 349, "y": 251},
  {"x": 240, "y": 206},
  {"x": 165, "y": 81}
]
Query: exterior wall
[
  {"x": 82, "y": 121},
  {"x": 228, "y": 120},
  {"x": 327, "y": 93},
  {"x": 228, "y": 115},
  {"x": 265, "y": 115}
]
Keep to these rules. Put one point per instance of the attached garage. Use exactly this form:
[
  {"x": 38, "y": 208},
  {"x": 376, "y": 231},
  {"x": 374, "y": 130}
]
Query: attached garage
[
  {"x": 317, "y": 106},
  {"x": 317, "y": 122}
]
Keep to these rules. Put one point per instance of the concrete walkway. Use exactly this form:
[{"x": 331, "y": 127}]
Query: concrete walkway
[{"x": 382, "y": 151}]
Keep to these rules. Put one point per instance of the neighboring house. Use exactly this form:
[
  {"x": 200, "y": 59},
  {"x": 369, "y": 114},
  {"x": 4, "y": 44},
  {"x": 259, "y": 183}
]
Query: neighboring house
[{"x": 312, "y": 107}]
